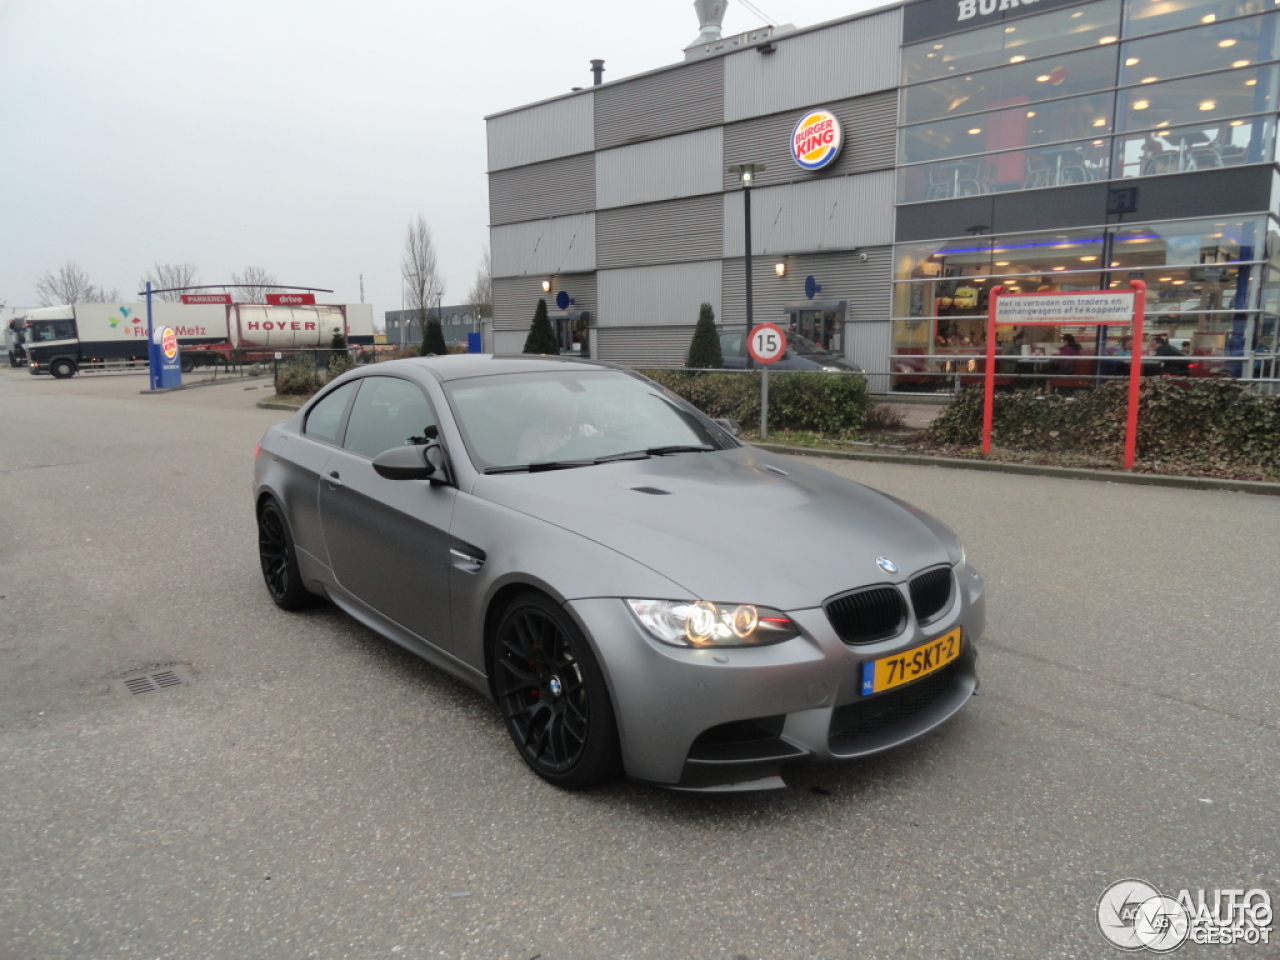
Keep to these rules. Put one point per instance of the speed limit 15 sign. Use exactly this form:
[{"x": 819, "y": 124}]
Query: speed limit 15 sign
[{"x": 767, "y": 343}]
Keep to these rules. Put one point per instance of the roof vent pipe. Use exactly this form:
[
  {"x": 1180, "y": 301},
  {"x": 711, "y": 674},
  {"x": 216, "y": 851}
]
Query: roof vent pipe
[
  {"x": 710, "y": 19},
  {"x": 597, "y": 68}
]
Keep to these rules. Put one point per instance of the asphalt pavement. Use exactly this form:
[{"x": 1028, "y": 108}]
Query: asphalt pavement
[{"x": 316, "y": 792}]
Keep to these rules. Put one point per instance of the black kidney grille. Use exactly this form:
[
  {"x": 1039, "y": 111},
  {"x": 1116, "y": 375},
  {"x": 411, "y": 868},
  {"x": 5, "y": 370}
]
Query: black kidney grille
[
  {"x": 867, "y": 615},
  {"x": 931, "y": 593}
]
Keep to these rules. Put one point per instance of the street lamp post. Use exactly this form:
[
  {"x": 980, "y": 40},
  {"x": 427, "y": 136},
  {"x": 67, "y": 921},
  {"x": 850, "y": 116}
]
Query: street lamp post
[{"x": 747, "y": 174}]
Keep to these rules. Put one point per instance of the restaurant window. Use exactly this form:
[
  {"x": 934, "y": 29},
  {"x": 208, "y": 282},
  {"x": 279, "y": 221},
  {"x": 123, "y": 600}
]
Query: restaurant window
[
  {"x": 1058, "y": 165},
  {"x": 1018, "y": 126},
  {"x": 1216, "y": 47},
  {"x": 1013, "y": 42},
  {"x": 1070, "y": 75},
  {"x": 1203, "y": 146},
  {"x": 1143, "y": 17}
]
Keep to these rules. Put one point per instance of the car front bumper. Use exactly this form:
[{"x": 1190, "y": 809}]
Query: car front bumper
[{"x": 716, "y": 718}]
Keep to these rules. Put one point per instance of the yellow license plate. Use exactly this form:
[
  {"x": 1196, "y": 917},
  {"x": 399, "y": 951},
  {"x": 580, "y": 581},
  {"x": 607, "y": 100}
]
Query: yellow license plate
[{"x": 889, "y": 672}]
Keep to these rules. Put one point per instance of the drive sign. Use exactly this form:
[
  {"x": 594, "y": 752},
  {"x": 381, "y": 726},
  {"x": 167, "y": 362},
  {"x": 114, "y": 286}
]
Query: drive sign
[{"x": 816, "y": 140}]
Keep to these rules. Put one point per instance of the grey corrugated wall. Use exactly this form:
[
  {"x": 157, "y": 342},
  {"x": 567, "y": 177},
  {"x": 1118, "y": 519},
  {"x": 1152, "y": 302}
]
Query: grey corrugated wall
[
  {"x": 810, "y": 69},
  {"x": 551, "y": 189},
  {"x": 869, "y": 345},
  {"x": 559, "y": 128},
  {"x": 544, "y": 247},
  {"x": 514, "y": 300},
  {"x": 658, "y": 296},
  {"x": 833, "y": 214},
  {"x": 671, "y": 232},
  {"x": 865, "y": 285},
  {"x": 665, "y": 169},
  {"x": 660, "y": 104},
  {"x": 641, "y": 346},
  {"x": 870, "y": 141}
]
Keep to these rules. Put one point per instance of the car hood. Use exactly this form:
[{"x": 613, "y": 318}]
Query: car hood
[{"x": 728, "y": 527}]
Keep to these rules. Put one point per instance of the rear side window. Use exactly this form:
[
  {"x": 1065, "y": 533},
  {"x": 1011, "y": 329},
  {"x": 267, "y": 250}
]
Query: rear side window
[
  {"x": 324, "y": 422},
  {"x": 387, "y": 413}
]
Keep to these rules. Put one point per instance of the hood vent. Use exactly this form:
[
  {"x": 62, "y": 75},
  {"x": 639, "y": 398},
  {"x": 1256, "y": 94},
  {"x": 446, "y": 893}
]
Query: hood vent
[{"x": 652, "y": 491}]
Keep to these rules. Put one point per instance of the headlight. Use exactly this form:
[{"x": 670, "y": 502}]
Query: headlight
[{"x": 697, "y": 623}]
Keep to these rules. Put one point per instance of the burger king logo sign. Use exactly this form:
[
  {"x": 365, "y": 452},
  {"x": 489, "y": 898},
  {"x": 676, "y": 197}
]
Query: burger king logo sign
[
  {"x": 169, "y": 343},
  {"x": 816, "y": 140}
]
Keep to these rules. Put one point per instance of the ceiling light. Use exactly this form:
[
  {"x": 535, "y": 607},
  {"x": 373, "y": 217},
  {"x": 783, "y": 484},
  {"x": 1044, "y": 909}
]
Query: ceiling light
[
  {"x": 1030, "y": 114},
  {"x": 1237, "y": 123},
  {"x": 1209, "y": 105},
  {"x": 976, "y": 130},
  {"x": 1141, "y": 104},
  {"x": 1002, "y": 263},
  {"x": 1163, "y": 123},
  {"x": 1115, "y": 263},
  {"x": 1251, "y": 83},
  {"x": 1178, "y": 283},
  {"x": 1018, "y": 59},
  {"x": 1240, "y": 63},
  {"x": 1100, "y": 122},
  {"x": 1010, "y": 29},
  {"x": 937, "y": 46},
  {"x": 1150, "y": 79},
  {"x": 1043, "y": 78},
  {"x": 1088, "y": 259},
  {"x": 1107, "y": 39},
  {"x": 1226, "y": 43},
  {"x": 1208, "y": 18},
  {"x": 1132, "y": 62},
  {"x": 1059, "y": 268},
  {"x": 1165, "y": 279},
  {"x": 1078, "y": 13}
]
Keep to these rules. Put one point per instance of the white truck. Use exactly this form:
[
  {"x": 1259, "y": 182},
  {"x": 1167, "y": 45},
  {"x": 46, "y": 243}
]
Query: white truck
[
  {"x": 62, "y": 341},
  {"x": 11, "y": 318}
]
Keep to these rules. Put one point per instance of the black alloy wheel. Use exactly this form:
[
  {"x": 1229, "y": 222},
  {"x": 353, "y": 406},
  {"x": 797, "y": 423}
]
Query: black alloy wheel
[
  {"x": 279, "y": 562},
  {"x": 553, "y": 696}
]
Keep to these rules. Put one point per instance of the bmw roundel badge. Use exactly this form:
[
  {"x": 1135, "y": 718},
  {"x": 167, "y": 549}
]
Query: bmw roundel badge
[{"x": 887, "y": 565}]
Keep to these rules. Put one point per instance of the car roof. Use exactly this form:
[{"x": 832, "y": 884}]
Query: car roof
[{"x": 461, "y": 366}]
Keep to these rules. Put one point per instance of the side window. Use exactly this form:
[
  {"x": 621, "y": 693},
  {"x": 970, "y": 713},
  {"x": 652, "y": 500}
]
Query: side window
[
  {"x": 325, "y": 419},
  {"x": 387, "y": 413}
]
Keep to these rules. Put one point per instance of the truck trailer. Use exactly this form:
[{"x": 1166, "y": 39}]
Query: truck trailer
[{"x": 62, "y": 341}]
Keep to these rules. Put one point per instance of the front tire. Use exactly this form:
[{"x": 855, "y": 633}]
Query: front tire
[
  {"x": 280, "y": 560},
  {"x": 62, "y": 369},
  {"x": 553, "y": 696}
]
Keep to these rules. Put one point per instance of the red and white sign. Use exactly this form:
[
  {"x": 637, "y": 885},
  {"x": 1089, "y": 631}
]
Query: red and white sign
[
  {"x": 169, "y": 343},
  {"x": 767, "y": 343},
  {"x": 1051, "y": 309},
  {"x": 206, "y": 298},
  {"x": 816, "y": 140},
  {"x": 291, "y": 299}
]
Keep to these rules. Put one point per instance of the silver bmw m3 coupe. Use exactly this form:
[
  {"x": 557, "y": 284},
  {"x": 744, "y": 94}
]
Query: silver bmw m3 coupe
[{"x": 638, "y": 591}]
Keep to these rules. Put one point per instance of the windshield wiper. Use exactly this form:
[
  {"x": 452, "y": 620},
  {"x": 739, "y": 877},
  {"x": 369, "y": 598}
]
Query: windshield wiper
[
  {"x": 540, "y": 466},
  {"x": 679, "y": 448}
]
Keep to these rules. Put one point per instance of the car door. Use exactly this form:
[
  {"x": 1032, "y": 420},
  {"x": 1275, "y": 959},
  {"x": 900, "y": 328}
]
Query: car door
[{"x": 388, "y": 539}]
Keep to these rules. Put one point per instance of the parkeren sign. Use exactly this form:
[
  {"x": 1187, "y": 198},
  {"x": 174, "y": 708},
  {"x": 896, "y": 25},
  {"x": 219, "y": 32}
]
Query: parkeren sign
[{"x": 816, "y": 140}]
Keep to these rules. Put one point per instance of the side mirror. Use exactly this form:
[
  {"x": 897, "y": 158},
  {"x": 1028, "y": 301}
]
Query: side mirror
[
  {"x": 732, "y": 427},
  {"x": 411, "y": 463}
]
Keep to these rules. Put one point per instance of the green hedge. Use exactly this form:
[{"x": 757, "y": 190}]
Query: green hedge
[
  {"x": 830, "y": 403},
  {"x": 1212, "y": 424}
]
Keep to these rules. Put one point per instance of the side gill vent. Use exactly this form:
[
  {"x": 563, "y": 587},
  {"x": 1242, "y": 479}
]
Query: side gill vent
[{"x": 652, "y": 491}]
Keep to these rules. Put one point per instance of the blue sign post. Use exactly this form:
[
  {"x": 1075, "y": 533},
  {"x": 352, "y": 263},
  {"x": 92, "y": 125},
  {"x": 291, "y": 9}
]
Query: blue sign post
[{"x": 163, "y": 355}]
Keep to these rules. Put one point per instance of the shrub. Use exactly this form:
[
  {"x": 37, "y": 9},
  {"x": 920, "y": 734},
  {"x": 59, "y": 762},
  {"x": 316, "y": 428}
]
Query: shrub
[
  {"x": 1208, "y": 425},
  {"x": 433, "y": 340},
  {"x": 298, "y": 378},
  {"x": 828, "y": 403},
  {"x": 339, "y": 363},
  {"x": 542, "y": 338},
  {"x": 704, "y": 349}
]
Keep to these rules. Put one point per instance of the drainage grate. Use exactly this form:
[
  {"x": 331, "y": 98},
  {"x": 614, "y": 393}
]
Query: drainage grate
[{"x": 175, "y": 676}]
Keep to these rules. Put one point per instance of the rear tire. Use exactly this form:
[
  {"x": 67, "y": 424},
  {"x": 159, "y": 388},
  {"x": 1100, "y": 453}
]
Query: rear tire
[
  {"x": 280, "y": 560},
  {"x": 553, "y": 696},
  {"x": 62, "y": 369}
]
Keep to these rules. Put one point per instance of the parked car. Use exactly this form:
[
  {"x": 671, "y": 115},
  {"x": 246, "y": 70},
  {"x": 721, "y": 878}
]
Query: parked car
[
  {"x": 616, "y": 571},
  {"x": 802, "y": 354}
]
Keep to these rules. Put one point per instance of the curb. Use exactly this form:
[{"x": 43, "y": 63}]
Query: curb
[
  {"x": 204, "y": 383},
  {"x": 268, "y": 405},
  {"x": 1031, "y": 469}
]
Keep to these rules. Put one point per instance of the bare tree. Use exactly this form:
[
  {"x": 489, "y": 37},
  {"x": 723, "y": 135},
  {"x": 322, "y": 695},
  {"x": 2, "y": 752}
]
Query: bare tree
[
  {"x": 71, "y": 285},
  {"x": 255, "y": 282},
  {"x": 481, "y": 295},
  {"x": 423, "y": 288},
  {"x": 166, "y": 275}
]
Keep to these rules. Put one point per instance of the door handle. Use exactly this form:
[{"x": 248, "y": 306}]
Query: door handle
[{"x": 333, "y": 480}]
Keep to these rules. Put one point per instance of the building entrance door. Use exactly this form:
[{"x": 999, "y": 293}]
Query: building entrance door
[
  {"x": 821, "y": 322},
  {"x": 572, "y": 335}
]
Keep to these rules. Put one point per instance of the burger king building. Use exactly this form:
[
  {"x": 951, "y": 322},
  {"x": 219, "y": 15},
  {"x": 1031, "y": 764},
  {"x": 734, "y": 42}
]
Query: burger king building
[{"x": 908, "y": 159}]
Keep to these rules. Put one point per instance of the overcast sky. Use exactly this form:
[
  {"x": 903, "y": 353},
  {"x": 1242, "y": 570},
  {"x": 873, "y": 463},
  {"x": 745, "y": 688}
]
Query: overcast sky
[{"x": 295, "y": 136}]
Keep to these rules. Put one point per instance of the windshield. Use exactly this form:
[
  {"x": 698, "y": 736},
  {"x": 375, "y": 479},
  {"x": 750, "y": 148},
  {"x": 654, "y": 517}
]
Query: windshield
[
  {"x": 803, "y": 345},
  {"x": 41, "y": 331},
  {"x": 514, "y": 420}
]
